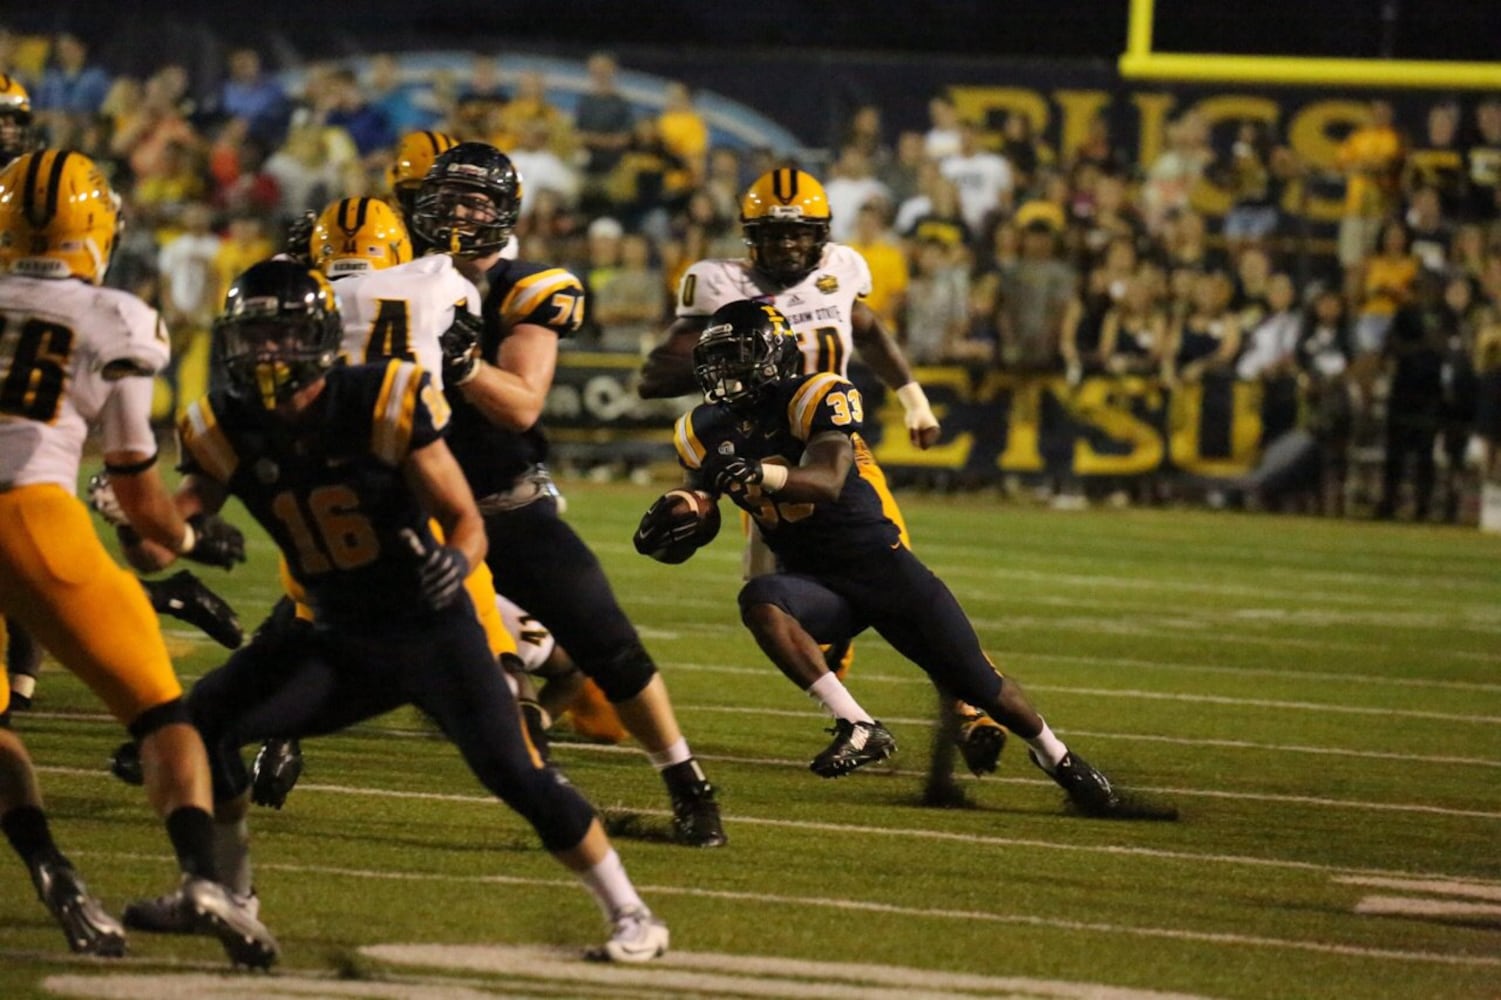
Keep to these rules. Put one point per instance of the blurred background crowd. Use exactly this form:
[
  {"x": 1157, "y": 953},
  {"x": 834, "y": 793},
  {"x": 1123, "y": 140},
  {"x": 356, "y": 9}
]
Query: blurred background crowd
[{"x": 989, "y": 247}]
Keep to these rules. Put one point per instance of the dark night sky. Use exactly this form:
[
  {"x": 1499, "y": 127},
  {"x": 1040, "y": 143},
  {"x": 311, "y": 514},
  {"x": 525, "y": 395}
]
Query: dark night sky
[{"x": 128, "y": 30}]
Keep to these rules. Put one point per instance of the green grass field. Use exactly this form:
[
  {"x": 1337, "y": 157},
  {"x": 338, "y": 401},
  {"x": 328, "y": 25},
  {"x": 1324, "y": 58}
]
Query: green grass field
[{"x": 1322, "y": 701}]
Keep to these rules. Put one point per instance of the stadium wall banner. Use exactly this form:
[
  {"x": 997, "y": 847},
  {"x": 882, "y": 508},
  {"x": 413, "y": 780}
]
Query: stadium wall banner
[{"x": 994, "y": 423}]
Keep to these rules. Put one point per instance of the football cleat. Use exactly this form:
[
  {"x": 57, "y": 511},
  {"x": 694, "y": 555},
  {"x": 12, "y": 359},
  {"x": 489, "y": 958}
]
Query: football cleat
[
  {"x": 695, "y": 817},
  {"x": 980, "y": 741},
  {"x": 1087, "y": 788},
  {"x": 637, "y": 937},
  {"x": 855, "y": 745},
  {"x": 86, "y": 925},
  {"x": 182, "y": 595},
  {"x": 125, "y": 763},
  {"x": 273, "y": 775},
  {"x": 234, "y": 920}
]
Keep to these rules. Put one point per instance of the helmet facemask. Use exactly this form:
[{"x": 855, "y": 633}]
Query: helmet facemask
[
  {"x": 736, "y": 367},
  {"x": 786, "y": 250},
  {"x": 463, "y": 219},
  {"x": 269, "y": 358}
]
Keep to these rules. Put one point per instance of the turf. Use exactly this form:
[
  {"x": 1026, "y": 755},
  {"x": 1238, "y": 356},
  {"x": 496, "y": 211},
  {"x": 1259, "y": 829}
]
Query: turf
[{"x": 1319, "y": 699}]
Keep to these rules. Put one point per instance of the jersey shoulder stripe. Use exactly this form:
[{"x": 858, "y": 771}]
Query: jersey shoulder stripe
[
  {"x": 206, "y": 442},
  {"x": 804, "y": 402},
  {"x": 530, "y": 292},
  {"x": 395, "y": 409},
  {"x": 691, "y": 451}
]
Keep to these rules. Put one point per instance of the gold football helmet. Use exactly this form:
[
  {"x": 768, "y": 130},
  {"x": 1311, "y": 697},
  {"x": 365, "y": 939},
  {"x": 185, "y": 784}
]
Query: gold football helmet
[
  {"x": 785, "y": 218},
  {"x": 15, "y": 119},
  {"x": 354, "y": 235},
  {"x": 58, "y": 217},
  {"x": 415, "y": 153}
]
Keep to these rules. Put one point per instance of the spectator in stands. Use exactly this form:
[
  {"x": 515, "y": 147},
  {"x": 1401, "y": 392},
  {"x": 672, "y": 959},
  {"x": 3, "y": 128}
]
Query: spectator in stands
[
  {"x": 1371, "y": 159},
  {"x": 1254, "y": 176},
  {"x": 245, "y": 243},
  {"x": 1251, "y": 299},
  {"x": 1430, "y": 235},
  {"x": 1133, "y": 333},
  {"x": 1414, "y": 354},
  {"x": 900, "y": 173},
  {"x": 649, "y": 182},
  {"x": 865, "y": 132},
  {"x": 1386, "y": 285},
  {"x": 1437, "y": 161},
  {"x": 1024, "y": 150},
  {"x": 1483, "y": 162},
  {"x": 175, "y": 182},
  {"x": 684, "y": 131},
  {"x": 158, "y": 123},
  {"x": 630, "y": 300},
  {"x": 531, "y": 106},
  {"x": 1270, "y": 356},
  {"x": 306, "y": 175},
  {"x": 1112, "y": 218},
  {"x": 883, "y": 253},
  {"x": 1098, "y": 149},
  {"x": 935, "y": 215},
  {"x": 70, "y": 85},
  {"x": 1208, "y": 338},
  {"x": 1463, "y": 319},
  {"x": 605, "y": 125},
  {"x": 1177, "y": 170},
  {"x": 725, "y": 182},
  {"x": 1467, "y": 252},
  {"x": 1323, "y": 359},
  {"x": 984, "y": 179},
  {"x": 479, "y": 102},
  {"x": 935, "y": 314},
  {"x": 253, "y": 95},
  {"x": 1035, "y": 295},
  {"x": 1185, "y": 243},
  {"x": 851, "y": 186},
  {"x": 942, "y": 139},
  {"x": 397, "y": 100},
  {"x": 366, "y": 123},
  {"x": 542, "y": 169}
]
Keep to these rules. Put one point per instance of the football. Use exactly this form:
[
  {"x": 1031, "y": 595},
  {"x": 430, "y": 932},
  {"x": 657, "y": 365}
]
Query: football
[{"x": 678, "y": 524}]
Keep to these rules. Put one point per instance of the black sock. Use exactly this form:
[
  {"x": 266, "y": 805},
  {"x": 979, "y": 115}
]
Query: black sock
[
  {"x": 26, "y": 829},
  {"x": 192, "y": 833},
  {"x": 684, "y": 776}
]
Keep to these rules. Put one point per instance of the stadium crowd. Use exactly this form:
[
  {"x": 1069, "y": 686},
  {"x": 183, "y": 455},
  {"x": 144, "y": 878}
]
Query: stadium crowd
[{"x": 988, "y": 247}]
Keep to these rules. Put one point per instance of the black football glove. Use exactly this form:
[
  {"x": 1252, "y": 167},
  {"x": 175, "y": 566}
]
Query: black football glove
[
  {"x": 440, "y": 572},
  {"x": 216, "y": 542},
  {"x": 273, "y": 775},
  {"x": 299, "y": 244},
  {"x": 662, "y": 526},
  {"x": 182, "y": 595},
  {"x": 460, "y": 343},
  {"x": 737, "y": 476}
]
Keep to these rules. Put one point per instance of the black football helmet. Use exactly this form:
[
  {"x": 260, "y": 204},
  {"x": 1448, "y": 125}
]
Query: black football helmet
[
  {"x": 279, "y": 331},
  {"x": 469, "y": 201},
  {"x": 747, "y": 347}
]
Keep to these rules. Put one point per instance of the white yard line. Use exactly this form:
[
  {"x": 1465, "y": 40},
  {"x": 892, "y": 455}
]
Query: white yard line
[
  {"x": 1434, "y": 909},
  {"x": 1434, "y": 886}
]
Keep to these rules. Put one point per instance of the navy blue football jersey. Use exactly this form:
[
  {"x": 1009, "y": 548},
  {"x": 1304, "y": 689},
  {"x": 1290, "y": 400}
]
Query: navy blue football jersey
[
  {"x": 520, "y": 292},
  {"x": 793, "y": 413},
  {"x": 329, "y": 490}
]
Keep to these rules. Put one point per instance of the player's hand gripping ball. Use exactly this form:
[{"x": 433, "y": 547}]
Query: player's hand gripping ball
[{"x": 677, "y": 525}]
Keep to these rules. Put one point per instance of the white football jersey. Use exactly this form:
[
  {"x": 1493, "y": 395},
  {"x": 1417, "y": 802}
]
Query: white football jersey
[
  {"x": 71, "y": 355},
  {"x": 818, "y": 307},
  {"x": 401, "y": 311},
  {"x": 534, "y": 643}
]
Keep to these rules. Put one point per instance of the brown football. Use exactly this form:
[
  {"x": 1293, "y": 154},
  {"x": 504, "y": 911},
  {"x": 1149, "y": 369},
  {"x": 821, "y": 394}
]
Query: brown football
[{"x": 695, "y": 505}]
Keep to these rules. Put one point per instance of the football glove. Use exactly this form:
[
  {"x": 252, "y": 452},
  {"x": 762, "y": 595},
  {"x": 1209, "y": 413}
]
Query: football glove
[
  {"x": 461, "y": 351},
  {"x": 215, "y": 542},
  {"x": 274, "y": 773},
  {"x": 440, "y": 572},
  {"x": 299, "y": 244},
  {"x": 102, "y": 499},
  {"x": 183, "y": 596},
  {"x": 662, "y": 526},
  {"x": 737, "y": 476}
]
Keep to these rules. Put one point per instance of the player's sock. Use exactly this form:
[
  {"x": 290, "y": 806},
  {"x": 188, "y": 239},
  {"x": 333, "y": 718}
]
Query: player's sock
[
  {"x": 610, "y": 886},
  {"x": 677, "y": 753},
  {"x": 232, "y": 855},
  {"x": 22, "y": 689},
  {"x": 26, "y": 828},
  {"x": 830, "y": 691},
  {"x": 1048, "y": 748},
  {"x": 191, "y": 830}
]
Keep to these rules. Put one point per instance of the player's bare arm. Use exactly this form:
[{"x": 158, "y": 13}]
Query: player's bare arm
[
  {"x": 878, "y": 350},
  {"x": 197, "y": 496},
  {"x": 511, "y": 391},
  {"x": 435, "y": 476},
  {"x": 668, "y": 369}
]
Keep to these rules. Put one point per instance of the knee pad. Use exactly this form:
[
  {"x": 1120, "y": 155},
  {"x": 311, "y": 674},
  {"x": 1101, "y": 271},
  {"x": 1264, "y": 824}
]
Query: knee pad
[
  {"x": 166, "y": 714},
  {"x": 625, "y": 674}
]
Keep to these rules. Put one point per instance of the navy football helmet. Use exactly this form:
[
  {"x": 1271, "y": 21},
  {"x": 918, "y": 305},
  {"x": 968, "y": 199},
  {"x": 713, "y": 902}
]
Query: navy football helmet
[
  {"x": 279, "y": 331},
  {"x": 747, "y": 347}
]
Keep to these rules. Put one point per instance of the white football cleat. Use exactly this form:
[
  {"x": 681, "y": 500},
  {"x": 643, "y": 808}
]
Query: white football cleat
[{"x": 638, "y": 937}]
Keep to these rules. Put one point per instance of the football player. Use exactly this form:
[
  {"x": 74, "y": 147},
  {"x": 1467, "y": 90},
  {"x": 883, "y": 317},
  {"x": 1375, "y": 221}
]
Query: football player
[
  {"x": 415, "y": 153},
  {"x": 15, "y": 120},
  {"x": 785, "y": 447},
  {"x": 346, "y": 468},
  {"x": 819, "y": 286},
  {"x": 497, "y": 381},
  {"x": 74, "y": 354}
]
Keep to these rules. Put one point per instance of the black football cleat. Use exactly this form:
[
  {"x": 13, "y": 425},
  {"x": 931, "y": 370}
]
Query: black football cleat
[
  {"x": 980, "y": 741},
  {"x": 855, "y": 745},
  {"x": 695, "y": 817},
  {"x": 273, "y": 775},
  {"x": 182, "y": 595},
  {"x": 125, "y": 763},
  {"x": 1087, "y": 788},
  {"x": 86, "y": 925}
]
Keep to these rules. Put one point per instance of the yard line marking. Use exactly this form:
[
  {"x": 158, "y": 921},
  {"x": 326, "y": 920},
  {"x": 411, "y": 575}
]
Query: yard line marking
[
  {"x": 864, "y": 906},
  {"x": 1441, "y": 909},
  {"x": 1441, "y": 887}
]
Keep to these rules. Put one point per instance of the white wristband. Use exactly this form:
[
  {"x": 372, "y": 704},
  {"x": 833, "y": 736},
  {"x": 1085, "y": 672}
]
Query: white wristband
[
  {"x": 189, "y": 539},
  {"x": 773, "y": 477},
  {"x": 912, "y": 397}
]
